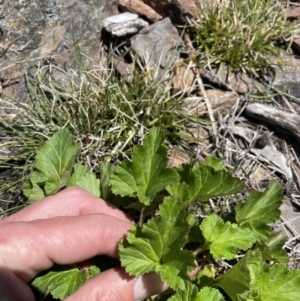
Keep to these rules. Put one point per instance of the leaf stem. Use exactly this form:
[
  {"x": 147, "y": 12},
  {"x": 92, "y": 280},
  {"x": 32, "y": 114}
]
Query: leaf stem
[
  {"x": 142, "y": 216},
  {"x": 199, "y": 250}
]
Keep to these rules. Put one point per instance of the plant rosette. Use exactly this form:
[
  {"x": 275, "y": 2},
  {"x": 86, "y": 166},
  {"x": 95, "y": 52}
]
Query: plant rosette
[{"x": 171, "y": 231}]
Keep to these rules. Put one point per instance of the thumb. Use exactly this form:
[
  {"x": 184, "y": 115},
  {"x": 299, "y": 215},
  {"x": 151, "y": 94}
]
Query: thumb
[
  {"x": 13, "y": 288},
  {"x": 115, "y": 284}
]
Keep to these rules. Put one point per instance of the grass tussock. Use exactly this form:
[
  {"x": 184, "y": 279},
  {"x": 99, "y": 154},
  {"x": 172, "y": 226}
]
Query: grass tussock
[
  {"x": 106, "y": 115},
  {"x": 241, "y": 35}
]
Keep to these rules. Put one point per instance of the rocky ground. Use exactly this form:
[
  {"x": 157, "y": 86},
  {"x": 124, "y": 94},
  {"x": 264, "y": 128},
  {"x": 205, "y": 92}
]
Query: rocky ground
[{"x": 258, "y": 136}]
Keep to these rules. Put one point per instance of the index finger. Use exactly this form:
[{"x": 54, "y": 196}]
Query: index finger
[
  {"x": 27, "y": 248},
  {"x": 72, "y": 201}
]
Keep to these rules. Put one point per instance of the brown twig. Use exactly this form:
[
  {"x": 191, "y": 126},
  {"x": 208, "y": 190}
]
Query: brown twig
[{"x": 8, "y": 44}]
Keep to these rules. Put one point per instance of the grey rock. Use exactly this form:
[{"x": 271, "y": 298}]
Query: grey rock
[
  {"x": 239, "y": 82},
  {"x": 124, "y": 24},
  {"x": 287, "y": 76},
  {"x": 41, "y": 29},
  {"x": 157, "y": 45}
]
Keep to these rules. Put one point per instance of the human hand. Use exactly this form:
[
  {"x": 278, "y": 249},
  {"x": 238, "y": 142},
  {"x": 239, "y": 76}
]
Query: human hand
[{"x": 69, "y": 227}]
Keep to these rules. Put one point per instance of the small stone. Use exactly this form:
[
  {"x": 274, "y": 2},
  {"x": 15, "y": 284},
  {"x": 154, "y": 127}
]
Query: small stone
[
  {"x": 119, "y": 19},
  {"x": 221, "y": 100},
  {"x": 177, "y": 10},
  {"x": 124, "y": 24},
  {"x": 183, "y": 77},
  {"x": 140, "y": 8},
  {"x": 157, "y": 45},
  {"x": 238, "y": 82}
]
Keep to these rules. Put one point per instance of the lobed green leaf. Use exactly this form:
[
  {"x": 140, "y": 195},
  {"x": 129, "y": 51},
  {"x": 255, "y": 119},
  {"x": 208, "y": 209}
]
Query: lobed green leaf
[
  {"x": 63, "y": 282},
  {"x": 84, "y": 178},
  {"x": 203, "y": 182},
  {"x": 54, "y": 160},
  {"x": 157, "y": 245},
  {"x": 106, "y": 170},
  {"x": 147, "y": 174},
  {"x": 272, "y": 248},
  {"x": 209, "y": 294},
  {"x": 260, "y": 209},
  {"x": 188, "y": 294},
  {"x": 222, "y": 239},
  {"x": 191, "y": 294},
  {"x": 215, "y": 163},
  {"x": 236, "y": 281},
  {"x": 53, "y": 166},
  {"x": 275, "y": 283}
]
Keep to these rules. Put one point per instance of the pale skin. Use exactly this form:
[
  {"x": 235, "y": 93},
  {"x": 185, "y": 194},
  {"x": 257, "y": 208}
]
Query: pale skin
[{"x": 69, "y": 227}]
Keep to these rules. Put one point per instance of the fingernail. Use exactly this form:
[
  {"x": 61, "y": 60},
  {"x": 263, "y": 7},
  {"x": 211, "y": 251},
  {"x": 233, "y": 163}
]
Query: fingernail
[{"x": 148, "y": 285}]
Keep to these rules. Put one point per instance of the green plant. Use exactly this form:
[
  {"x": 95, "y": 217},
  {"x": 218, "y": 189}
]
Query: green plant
[
  {"x": 238, "y": 257},
  {"x": 242, "y": 35},
  {"x": 106, "y": 115}
]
